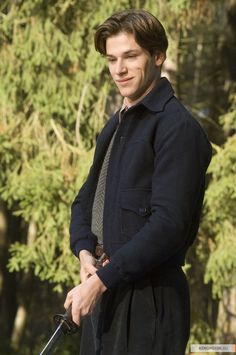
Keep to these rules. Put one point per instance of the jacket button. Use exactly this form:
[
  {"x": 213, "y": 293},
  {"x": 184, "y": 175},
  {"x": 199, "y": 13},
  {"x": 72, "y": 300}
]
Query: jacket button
[{"x": 142, "y": 210}]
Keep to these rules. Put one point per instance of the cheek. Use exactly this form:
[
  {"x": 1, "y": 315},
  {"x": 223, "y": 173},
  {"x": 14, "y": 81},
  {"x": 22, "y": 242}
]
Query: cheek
[
  {"x": 142, "y": 74},
  {"x": 148, "y": 73},
  {"x": 111, "y": 71},
  {"x": 142, "y": 69}
]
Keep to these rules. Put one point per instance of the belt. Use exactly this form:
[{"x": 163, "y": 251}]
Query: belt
[
  {"x": 99, "y": 250},
  {"x": 100, "y": 255}
]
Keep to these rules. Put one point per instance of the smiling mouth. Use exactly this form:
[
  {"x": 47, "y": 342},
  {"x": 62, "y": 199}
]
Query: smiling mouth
[{"x": 123, "y": 81}]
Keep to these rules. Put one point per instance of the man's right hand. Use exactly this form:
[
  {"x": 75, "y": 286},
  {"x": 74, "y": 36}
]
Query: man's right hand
[{"x": 87, "y": 265}]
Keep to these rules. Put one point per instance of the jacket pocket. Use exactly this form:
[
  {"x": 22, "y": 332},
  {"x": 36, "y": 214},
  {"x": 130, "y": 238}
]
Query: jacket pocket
[{"x": 135, "y": 210}]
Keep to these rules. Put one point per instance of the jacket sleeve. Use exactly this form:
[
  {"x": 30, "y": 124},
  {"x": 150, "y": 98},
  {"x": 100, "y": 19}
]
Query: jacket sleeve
[
  {"x": 182, "y": 155},
  {"x": 81, "y": 236}
]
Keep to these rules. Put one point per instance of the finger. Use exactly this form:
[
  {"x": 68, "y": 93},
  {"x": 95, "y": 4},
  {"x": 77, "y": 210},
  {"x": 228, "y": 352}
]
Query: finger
[
  {"x": 105, "y": 262},
  {"x": 84, "y": 277},
  {"x": 68, "y": 300},
  {"x": 91, "y": 269},
  {"x": 76, "y": 315}
]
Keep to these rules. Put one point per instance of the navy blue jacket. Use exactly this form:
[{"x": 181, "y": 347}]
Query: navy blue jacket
[{"x": 154, "y": 191}]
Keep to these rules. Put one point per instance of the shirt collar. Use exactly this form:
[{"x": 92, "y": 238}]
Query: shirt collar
[{"x": 123, "y": 108}]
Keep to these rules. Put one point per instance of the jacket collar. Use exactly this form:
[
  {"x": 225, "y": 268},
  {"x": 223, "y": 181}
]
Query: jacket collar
[{"x": 156, "y": 99}]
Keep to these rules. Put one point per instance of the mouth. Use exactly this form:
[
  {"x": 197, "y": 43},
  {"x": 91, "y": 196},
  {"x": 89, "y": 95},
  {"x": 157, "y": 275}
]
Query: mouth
[{"x": 123, "y": 81}]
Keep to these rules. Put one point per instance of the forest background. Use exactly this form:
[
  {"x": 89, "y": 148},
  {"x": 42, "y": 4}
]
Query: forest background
[{"x": 55, "y": 96}]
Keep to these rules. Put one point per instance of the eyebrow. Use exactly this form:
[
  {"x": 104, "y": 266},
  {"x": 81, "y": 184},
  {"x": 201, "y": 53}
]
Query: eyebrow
[{"x": 130, "y": 51}]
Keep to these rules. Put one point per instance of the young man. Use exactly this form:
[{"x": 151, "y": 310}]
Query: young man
[{"x": 141, "y": 202}]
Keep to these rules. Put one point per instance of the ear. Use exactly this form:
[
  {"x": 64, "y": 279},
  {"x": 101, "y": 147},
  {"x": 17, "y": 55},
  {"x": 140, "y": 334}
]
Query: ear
[{"x": 160, "y": 58}]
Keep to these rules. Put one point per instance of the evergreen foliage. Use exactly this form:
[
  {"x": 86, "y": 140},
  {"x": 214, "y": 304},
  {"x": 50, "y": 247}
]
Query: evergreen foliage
[
  {"x": 50, "y": 75},
  {"x": 221, "y": 209},
  {"x": 55, "y": 95}
]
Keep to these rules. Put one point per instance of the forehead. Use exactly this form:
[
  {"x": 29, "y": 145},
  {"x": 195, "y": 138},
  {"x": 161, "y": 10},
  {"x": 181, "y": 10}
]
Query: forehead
[{"x": 120, "y": 43}]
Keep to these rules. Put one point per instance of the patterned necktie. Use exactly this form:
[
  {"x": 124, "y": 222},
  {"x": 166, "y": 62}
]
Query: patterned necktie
[{"x": 98, "y": 202}]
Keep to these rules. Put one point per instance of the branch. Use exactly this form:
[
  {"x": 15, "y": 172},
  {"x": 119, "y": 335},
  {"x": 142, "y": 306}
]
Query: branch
[{"x": 78, "y": 118}]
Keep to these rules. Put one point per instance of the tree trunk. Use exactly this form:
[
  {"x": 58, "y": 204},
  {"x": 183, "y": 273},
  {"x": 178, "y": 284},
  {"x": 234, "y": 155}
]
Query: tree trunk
[
  {"x": 226, "y": 321},
  {"x": 9, "y": 228},
  {"x": 24, "y": 300},
  {"x": 19, "y": 326}
]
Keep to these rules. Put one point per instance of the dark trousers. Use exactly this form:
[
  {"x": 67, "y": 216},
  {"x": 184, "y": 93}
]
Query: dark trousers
[{"x": 151, "y": 317}]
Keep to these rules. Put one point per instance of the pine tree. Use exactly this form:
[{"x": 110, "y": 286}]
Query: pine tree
[{"x": 55, "y": 95}]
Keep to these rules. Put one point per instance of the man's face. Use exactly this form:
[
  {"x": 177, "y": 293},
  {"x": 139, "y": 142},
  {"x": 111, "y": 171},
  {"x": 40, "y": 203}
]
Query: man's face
[{"x": 133, "y": 69}]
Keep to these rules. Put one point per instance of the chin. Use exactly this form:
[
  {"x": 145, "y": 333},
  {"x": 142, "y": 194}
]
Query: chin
[{"x": 126, "y": 93}]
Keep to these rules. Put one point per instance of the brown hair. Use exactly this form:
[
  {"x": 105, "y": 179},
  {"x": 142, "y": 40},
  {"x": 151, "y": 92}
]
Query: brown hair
[{"x": 146, "y": 28}]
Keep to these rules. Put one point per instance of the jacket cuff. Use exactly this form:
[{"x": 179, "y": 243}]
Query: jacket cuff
[
  {"x": 109, "y": 275},
  {"x": 84, "y": 244}
]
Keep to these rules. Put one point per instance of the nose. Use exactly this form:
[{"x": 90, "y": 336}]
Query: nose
[{"x": 120, "y": 67}]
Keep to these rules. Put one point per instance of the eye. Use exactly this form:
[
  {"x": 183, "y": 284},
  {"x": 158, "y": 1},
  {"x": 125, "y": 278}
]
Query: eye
[
  {"x": 111, "y": 60},
  {"x": 131, "y": 56}
]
